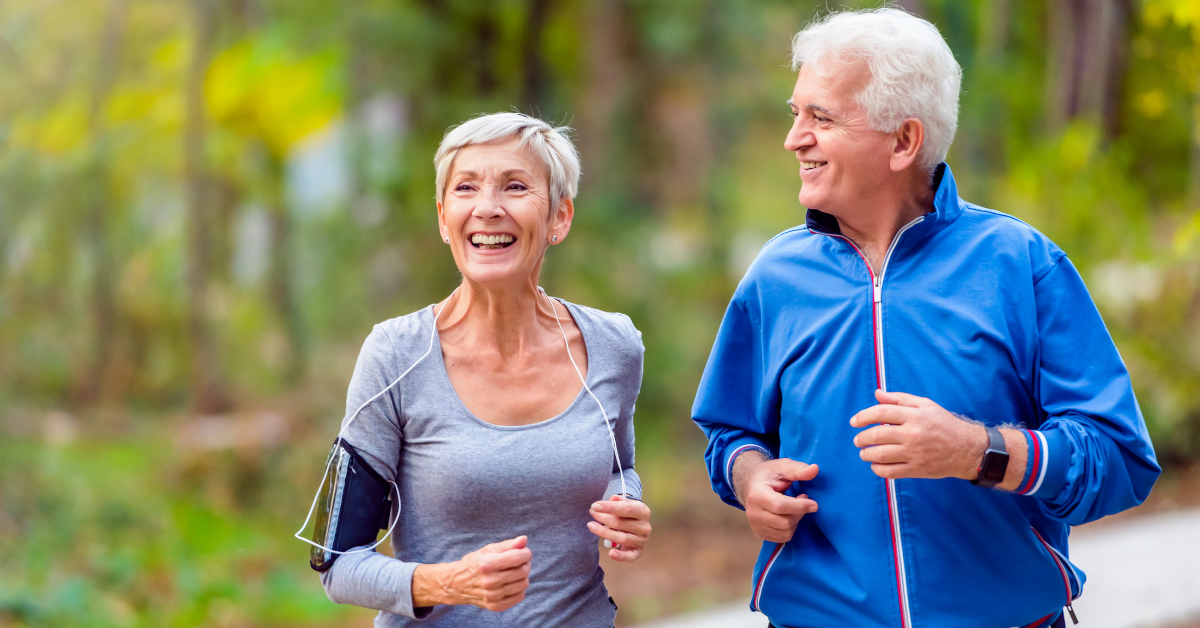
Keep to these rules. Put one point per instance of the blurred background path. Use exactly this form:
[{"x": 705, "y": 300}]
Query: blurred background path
[{"x": 1141, "y": 573}]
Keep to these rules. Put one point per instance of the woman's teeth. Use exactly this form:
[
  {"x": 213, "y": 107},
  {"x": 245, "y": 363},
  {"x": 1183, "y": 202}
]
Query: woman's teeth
[
  {"x": 809, "y": 165},
  {"x": 491, "y": 241}
]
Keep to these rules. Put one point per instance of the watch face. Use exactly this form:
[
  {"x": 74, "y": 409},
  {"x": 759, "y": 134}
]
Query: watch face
[{"x": 995, "y": 463}]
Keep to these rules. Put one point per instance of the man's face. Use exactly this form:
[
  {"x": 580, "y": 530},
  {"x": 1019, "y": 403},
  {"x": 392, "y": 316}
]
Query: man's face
[{"x": 842, "y": 161}]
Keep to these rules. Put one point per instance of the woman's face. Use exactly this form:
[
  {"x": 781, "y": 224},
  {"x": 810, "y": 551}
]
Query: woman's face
[{"x": 496, "y": 213}]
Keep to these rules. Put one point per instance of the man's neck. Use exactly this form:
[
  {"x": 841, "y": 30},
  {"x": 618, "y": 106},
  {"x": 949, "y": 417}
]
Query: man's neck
[{"x": 873, "y": 231}]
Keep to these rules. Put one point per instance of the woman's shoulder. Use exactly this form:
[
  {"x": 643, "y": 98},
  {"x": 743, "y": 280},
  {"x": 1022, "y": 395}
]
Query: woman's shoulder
[
  {"x": 608, "y": 328},
  {"x": 403, "y": 334}
]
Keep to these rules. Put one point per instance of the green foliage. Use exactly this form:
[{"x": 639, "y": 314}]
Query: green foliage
[{"x": 680, "y": 120}]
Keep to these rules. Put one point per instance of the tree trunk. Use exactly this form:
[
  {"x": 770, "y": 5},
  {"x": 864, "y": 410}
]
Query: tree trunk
[
  {"x": 534, "y": 83},
  {"x": 207, "y": 393},
  {"x": 103, "y": 310},
  {"x": 279, "y": 275},
  {"x": 1086, "y": 64}
]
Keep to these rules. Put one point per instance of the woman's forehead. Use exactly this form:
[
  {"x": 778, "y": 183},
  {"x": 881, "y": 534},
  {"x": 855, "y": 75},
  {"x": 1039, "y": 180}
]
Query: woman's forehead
[{"x": 500, "y": 155}]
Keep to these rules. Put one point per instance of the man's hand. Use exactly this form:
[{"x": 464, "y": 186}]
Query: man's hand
[
  {"x": 917, "y": 438},
  {"x": 759, "y": 484}
]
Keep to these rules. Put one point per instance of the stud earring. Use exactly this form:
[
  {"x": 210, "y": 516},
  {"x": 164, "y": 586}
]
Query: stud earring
[
  {"x": 553, "y": 239},
  {"x": 447, "y": 240}
]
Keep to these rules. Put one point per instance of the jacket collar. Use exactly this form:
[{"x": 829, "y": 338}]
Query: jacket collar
[{"x": 947, "y": 207}]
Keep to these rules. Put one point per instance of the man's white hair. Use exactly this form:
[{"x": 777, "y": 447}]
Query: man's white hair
[
  {"x": 549, "y": 143},
  {"x": 913, "y": 72}
]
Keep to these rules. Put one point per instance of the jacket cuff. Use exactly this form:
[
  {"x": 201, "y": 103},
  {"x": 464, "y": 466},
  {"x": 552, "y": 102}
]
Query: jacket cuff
[
  {"x": 737, "y": 448},
  {"x": 1047, "y": 462}
]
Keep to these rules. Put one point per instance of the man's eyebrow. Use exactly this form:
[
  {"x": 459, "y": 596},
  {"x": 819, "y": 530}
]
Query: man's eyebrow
[{"x": 819, "y": 109}]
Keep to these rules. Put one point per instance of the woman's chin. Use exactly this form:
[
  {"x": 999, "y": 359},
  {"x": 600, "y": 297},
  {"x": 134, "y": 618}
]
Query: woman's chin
[{"x": 498, "y": 274}]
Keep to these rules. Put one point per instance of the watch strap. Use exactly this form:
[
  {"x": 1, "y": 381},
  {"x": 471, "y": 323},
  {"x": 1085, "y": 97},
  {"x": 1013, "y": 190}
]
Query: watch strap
[{"x": 994, "y": 465}]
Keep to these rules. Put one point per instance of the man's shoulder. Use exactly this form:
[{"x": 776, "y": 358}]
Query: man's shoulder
[
  {"x": 1006, "y": 236},
  {"x": 786, "y": 248}
]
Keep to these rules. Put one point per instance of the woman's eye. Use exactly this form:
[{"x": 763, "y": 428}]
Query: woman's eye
[
  {"x": 517, "y": 186},
  {"x": 462, "y": 187}
]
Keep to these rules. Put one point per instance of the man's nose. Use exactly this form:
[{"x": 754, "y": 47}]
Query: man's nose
[{"x": 799, "y": 138}]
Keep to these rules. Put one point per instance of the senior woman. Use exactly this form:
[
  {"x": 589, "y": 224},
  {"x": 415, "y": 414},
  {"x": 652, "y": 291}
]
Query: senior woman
[{"x": 495, "y": 432}]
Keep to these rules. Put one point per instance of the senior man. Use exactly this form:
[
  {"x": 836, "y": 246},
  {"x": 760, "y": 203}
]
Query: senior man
[{"x": 931, "y": 373}]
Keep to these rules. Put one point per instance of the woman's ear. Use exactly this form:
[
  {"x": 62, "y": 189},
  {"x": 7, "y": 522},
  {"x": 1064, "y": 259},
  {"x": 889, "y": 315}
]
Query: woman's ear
[
  {"x": 560, "y": 221},
  {"x": 442, "y": 229},
  {"x": 906, "y": 144}
]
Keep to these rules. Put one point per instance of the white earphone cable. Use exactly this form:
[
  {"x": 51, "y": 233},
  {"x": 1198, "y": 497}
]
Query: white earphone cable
[
  {"x": 611, "y": 434},
  {"x": 432, "y": 335}
]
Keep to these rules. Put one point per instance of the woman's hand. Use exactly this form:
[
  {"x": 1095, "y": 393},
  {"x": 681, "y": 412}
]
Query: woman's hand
[
  {"x": 625, "y": 522},
  {"x": 493, "y": 577}
]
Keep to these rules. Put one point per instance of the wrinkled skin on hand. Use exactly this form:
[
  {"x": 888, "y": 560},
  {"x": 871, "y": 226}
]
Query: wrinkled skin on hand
[{"x": 493, "y": 577}]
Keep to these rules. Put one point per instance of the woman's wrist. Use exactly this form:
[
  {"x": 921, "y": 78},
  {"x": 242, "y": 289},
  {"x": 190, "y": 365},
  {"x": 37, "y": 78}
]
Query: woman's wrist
[{"x": 427, "y": 587}]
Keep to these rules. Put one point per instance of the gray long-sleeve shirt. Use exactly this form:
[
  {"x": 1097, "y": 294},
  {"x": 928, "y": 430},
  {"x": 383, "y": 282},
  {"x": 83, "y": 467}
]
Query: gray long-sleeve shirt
[{"x": 465, "y": 483}]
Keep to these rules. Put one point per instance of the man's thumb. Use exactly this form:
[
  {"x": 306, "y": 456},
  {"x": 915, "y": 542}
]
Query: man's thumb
[{"x": 797, "y": 471}]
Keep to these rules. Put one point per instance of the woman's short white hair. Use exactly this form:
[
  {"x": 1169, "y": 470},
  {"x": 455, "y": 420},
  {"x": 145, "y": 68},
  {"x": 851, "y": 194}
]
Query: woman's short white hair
[
  {"x": 549, "y": 143},
  {"x": 913, "y": 72}
]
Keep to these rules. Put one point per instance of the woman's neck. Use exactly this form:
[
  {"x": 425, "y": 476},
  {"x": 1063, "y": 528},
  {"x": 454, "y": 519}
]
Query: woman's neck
[{"x": 507, "y": 320}]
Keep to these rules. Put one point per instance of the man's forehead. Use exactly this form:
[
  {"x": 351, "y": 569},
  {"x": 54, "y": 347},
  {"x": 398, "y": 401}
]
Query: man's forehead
[{"x": 826, "y": 83}]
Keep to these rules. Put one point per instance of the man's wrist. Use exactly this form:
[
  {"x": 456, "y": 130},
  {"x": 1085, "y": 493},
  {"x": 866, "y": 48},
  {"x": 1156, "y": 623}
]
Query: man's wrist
[
  {"x": 743, "y": 464},
  {"x": 979, "y": 445}
]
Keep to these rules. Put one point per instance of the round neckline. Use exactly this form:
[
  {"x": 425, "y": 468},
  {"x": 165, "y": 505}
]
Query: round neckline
[{"x": 587, "y": 347}]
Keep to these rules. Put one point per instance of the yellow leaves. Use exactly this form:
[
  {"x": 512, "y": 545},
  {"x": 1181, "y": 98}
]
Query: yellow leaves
[
  {"x": 1078, "y": 145},
  {"x": 61, "y": 130},
  {"x": 1152, "y": 103},
  {"x": 1187, "y": 237},
  {"x": 265, "y": 91},
  {"x": 1184, "y": 13}
]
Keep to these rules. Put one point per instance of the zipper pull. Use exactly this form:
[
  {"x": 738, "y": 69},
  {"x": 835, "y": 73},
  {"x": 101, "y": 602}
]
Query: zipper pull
[
  {"x": 878, "y": 291},
  {"x": 1074, "y": 620}
]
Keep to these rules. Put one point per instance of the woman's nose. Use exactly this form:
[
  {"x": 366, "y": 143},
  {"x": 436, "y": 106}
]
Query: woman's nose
[{"x": 490, "y": 204}]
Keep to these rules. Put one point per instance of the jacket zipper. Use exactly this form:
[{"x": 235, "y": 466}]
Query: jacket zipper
[
  {"x": 1058, "y": 562},
  {"x": 758, "y": 587},
  {"x": 881, "y": 381}
]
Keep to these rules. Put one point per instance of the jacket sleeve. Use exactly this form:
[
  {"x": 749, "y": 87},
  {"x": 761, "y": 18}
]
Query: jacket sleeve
[
  {"x": 734, "y": 405},
  {"x": 1091, "y": 455}
]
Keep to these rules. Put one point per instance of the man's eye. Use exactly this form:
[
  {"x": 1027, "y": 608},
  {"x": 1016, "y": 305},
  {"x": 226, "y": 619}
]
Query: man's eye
[
  {"x": 821, "y": 119},
  {"x": 794, "y": 114}
]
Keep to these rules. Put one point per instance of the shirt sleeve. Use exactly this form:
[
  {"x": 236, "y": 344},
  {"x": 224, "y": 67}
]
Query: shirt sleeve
[
  {"x": 734, "y": 405},
  {"x": 623, "y": 432},
  {"x": 367, "y": 578},
  {"x": 1091, "y": 455}
]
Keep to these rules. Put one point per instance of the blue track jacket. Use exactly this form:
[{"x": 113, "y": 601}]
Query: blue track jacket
[{"x": 977, "y": 311}]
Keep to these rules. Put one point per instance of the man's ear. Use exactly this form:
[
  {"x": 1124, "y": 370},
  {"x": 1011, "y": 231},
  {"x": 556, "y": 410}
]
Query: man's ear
[{"x": 906, "y": 144}]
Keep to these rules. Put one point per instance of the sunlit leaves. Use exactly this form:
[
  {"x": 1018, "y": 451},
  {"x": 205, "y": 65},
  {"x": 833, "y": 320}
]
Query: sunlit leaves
[{"x": 266, "y": 90}]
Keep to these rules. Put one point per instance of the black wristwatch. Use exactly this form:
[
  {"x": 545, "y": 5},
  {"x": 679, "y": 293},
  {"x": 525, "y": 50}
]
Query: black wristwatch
[{"x": 995, "y": 461}]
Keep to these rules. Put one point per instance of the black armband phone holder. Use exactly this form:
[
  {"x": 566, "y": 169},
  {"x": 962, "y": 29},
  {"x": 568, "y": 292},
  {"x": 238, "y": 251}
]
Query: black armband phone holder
[{"x": 354, "y": 504}]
